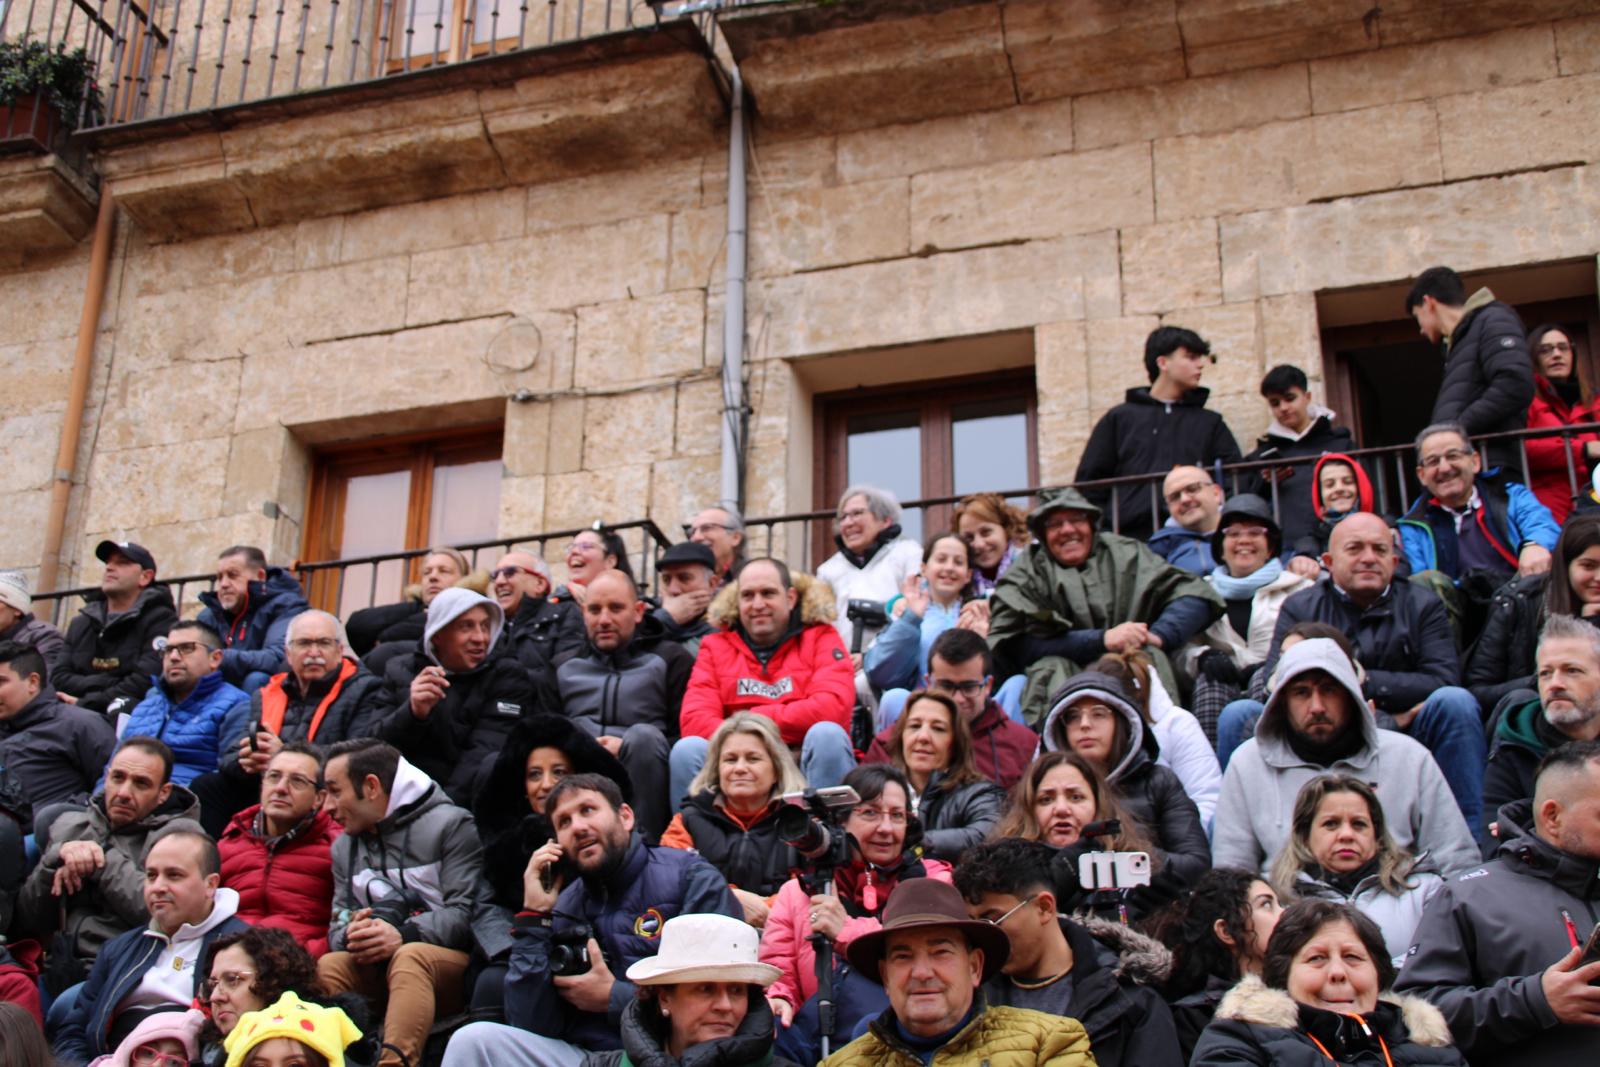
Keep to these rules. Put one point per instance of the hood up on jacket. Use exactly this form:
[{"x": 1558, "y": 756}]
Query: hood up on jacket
[
  {"x": 816, "y": 603},
  {"x": 1521, "y": 847},
  {"x": 1253, "y": 1001},
  {"x": 502, "y": 797},
  {"x": 1068, "y": 499},
  {"x": 1109, "y": 691},
  {"x": 478, "y": 581},
  {"x": 1314, "y": 412},
  {"x": 1314, "y": 654},
  {"x": 410, "y": 786},
  {"x": 1364, "y": 497},
  {"x": 450, "y": 605}
]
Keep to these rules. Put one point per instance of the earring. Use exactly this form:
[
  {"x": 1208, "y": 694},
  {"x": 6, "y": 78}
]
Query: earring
[{"x": 665, "y": 1014}]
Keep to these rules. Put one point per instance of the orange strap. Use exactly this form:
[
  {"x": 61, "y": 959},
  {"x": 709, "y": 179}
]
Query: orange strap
[
  {"x": 274, "y": 701},
  {"x": 1381, "y": 1043}
]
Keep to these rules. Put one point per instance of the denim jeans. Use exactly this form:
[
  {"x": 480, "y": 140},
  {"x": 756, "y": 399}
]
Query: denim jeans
[
  {"x": 1449, "y": 725},
  {"x": 826, "y": 757}
]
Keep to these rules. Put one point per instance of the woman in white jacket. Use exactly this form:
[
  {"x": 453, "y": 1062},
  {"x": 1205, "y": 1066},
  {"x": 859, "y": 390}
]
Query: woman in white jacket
[{"x": 1340, "y": 849}]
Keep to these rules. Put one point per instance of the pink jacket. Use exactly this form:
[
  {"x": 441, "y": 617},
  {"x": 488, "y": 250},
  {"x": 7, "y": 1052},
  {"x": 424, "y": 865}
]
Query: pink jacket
[{"x": 783, "y": 939}]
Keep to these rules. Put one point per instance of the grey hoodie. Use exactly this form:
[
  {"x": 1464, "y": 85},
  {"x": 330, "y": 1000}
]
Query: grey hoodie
[
  {"x": 448, "y": 606},
  {"x": 1265, "y": 775}
]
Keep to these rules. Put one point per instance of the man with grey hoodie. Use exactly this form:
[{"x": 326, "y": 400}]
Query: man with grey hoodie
[
  {"x": 1317, "y": 721},
  {"x": 455, "y": 699}
]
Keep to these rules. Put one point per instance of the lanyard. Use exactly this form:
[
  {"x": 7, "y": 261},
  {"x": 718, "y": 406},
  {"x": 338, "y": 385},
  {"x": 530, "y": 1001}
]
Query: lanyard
[{"x": 1381, "y": 1043}]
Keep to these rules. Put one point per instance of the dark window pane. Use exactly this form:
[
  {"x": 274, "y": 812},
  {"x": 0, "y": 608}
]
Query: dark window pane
[
  {"x": 886, "y": 451},
  {"x": 989, "y": 443}
]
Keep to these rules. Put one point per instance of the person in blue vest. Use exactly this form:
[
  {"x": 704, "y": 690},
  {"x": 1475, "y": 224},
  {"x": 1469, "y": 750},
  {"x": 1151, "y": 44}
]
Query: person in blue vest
[
  {"x": 625, "y": 892},
  {"x": 191, "y": 708}
]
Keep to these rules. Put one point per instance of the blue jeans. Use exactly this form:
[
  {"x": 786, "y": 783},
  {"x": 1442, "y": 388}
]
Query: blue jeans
[
  {"x": 1008, "y": 696},
  {"x": 1449, "y": 725},
  {"x": 826, "y": 757}
]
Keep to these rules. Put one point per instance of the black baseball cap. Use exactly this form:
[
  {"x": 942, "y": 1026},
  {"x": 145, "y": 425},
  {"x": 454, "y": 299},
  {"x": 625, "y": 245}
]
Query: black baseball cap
[
  {"x": 138, "y": 553},
  {"x": 688, "y": 552}
]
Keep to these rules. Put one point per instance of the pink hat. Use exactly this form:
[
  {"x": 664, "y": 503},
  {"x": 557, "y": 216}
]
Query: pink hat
[{"x": 183, "y": 1026}]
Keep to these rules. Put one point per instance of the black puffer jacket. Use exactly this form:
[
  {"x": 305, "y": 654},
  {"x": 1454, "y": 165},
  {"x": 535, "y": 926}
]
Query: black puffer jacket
[
  {"x": 640, "y": 683},
  {"x": 1502, "y": 659},
  {"x": 644, "y": 1043},
  {"x": 1488, "y": 377},
  {"x": 1115, "y": 974},
  {"x": 111, "y": 661},
  {"x": 372, "y": 626},
  {"x": 39, "y": 635},
  {"x": 1143, "y": 435},
  {"x": 1258, "y": 1025},
  {"x": 360, "y": 705},
  {"x": 545, "y": 630},
  {"x": 55, "y": 751},
  {"x": 953, "y": 820},
  {"x": 750, "y": 857},
  {"x": 1297, "y": 514}
]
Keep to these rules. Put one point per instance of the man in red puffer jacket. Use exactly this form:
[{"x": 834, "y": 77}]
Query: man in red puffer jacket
[
  {"x": 275, "y": 854},
  {"x": 777, "y": 655}
]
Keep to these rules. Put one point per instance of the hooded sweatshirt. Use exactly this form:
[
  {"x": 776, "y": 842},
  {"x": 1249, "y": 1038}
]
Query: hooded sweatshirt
[
  {"x": 1314, "y": 542},
  {"x": 1296, "y": 490},
  {"x": 171, "y": 979},
  {"x": 1265, "y": 775},
  {"x": 458, "y": 739}
]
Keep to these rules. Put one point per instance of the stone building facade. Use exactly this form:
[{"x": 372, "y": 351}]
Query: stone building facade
[{"x": 938, "y": 188}]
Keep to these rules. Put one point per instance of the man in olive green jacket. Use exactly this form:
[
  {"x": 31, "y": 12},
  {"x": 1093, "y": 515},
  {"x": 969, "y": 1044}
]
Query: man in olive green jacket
[
  {"x": 931, "y": 959},
  {"x": 1080, "y": 592}
]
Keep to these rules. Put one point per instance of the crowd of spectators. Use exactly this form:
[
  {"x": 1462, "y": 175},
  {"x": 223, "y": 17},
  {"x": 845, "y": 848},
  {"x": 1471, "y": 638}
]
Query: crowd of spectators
[{"x": 1125, "y": 777}]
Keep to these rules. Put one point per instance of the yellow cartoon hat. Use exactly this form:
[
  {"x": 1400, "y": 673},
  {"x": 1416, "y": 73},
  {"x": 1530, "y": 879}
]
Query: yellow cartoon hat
[{"x": 327, "y": 1030}]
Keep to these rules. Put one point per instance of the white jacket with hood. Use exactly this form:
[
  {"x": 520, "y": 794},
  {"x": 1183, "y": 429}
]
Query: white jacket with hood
[{"x": 1264, "y": 776}]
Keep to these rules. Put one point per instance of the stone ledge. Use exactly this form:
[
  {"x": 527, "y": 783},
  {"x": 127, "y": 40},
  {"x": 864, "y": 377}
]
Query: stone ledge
[
  {"x": 44, "y": 204},
  {"x": 538, "y": 115}
]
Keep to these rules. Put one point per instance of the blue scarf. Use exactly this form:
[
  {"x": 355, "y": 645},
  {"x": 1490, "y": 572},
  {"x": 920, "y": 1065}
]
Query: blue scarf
[{"x": 1230, "y": 588}]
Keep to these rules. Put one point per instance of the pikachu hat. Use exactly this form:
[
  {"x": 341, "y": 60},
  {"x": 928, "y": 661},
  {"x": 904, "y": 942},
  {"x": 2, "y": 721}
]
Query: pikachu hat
[{"x": 327, "y": 1030}]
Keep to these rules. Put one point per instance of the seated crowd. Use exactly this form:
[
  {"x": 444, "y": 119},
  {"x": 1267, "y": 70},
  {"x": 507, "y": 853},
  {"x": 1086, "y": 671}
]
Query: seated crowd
[{"x": 1285, "y": 781}]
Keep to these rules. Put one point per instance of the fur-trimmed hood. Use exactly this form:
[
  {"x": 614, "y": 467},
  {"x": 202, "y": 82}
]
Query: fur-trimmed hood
[
  {"x": 478, "y": 581},
  {"x": 816, "y": 603},
  {"x": 1140, "y": 958},
  {"x": 1252, "y": 1001}
]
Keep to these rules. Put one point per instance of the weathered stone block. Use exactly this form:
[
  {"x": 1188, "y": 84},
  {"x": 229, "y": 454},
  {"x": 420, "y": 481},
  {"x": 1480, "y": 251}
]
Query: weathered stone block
[
  {"x": 1115, "y": 360},
  {"x": 1193, "y": 105},
  {"x": 1290, "y": 333},
  {"x": 699, "y": 248},
  {"x": 1067, "y": 47},
  {"x": 615, "y": 195},
  {"x": 45, "y": 304},
  {"x": 803, "y": 229},
  {"x": 1234, "y": 334},
  {"x": 26, "y": 518},
  {"x": 1170, "y": 265},
  {"x": 1433, "y": 69},
  {"x": 698, "y": 420},
  {"x": 637, "y": 340},
  {"x": 44, "y": 204},
  {"x": 260, "y": 462},
  {"x": 37, "y": 376},
  {"x": 521, "y": 506},
  {"x": 1578, "y": 45},
  {"x": 1061, "y": 365},
  {"x": 624, "y": 428},
  {"x": 680, "y": 486},
  {"x": 957, "y": 141},
  {"x": 208, "y": 261},
  {"x": 1062, "y": 437},
  {"x": 1077, "y": 193},
  {"x": 560, "y": 269},
  {"x": 140, "y": 409},
  {"x": 566, "y": 435},
  {"x": 526, "y": 448},
  {"x": 936, "y": 297},
  {"x": 578, "y": 499},
  {"x": 1412, "y": 21},
  {"x": 1555, "y": 121},
  {"x": 1298, "y": 161},
  {"x": 176, "y": 188},
  {"x": 316, "y": 242},
  {"x": 31, "y": 439},
  {"x": 1221, "y": 35},
  {"x": 156, "y": 485},
  {"x": 473, "y": 219}
]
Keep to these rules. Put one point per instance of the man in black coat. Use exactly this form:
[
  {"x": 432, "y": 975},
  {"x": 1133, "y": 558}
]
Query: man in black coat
[
  {"x": 111, "y": 645},
  {"x": 1300, "y": 428},
  {"x": 1488, "y": 376},
  {"x": 1155, "y": 429},
  {"x": 1098, "y": 972},
  {"x": 540, "y": 630}
]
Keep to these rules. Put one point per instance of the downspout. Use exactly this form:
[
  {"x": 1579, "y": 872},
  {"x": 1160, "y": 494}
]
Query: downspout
[
  {"x": 77, "y": 392},
  {"x": 733, "y": 402}
]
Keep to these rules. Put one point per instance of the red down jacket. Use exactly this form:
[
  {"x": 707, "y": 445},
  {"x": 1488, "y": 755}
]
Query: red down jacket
[
  {"x": 289, "y": 886},
  {"x": 809, "y": 679}
]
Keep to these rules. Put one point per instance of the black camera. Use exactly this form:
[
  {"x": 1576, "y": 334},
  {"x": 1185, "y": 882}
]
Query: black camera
[
  {"x": 395, "y": 905},
  {"x": 811, "y": 823},
  {"x": 864, "y": 615},
  {"x": 569, "y": 951}
]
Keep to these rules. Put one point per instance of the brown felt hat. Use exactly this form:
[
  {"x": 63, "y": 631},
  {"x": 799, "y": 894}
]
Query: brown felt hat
[{"x": 922, "y": 904}]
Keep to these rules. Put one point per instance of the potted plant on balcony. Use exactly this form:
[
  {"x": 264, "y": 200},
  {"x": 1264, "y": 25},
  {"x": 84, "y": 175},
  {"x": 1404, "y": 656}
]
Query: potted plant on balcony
[{"x": 42, "y": 90}]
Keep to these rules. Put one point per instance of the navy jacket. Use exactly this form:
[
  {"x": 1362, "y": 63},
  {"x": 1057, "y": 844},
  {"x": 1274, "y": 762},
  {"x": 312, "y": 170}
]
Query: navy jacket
[
  {"x": 626, "y": 912},
  {"x": 254, "y": 638}
]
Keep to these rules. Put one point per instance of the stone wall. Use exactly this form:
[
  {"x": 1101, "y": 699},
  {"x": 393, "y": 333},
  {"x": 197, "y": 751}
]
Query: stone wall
[{"x": 1224, "y": 202}]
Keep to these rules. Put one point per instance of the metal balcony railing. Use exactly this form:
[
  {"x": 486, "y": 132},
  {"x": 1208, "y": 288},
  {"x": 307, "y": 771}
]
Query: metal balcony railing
[{"x": 794, "y": 534}]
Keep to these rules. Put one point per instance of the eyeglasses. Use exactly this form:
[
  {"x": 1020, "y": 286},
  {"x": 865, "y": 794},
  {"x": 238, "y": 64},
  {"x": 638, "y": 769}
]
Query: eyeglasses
[
  {"x": 854, "y": 513},
  {"x": 944, "y": 685},
  {"x": 296, "y": 781},
  {"x": 1451, "y": 458},
  {"x": 1096, "y": 713},
  {"x": 896, "y": 816},
  {"x": 706, "y": 528},
  {"x": 183, "y": 648},
  {"x": 229, "y": 980},
  {"x": 1192, "y": 489},
  {"x": 1553, "y": 346},
  {"x": 321, "y": 644},
  {"x": 1020, "y": 905},
  {"x": 150, "y": 1056},
  {"x": 510, "y": 571},
  {"x": 1233, "y": 533}
]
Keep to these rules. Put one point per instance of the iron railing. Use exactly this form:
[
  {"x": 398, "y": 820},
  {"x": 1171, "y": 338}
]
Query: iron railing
[
  {"x": 150, "y": 59},
  {"x": 794, "y": 535}
]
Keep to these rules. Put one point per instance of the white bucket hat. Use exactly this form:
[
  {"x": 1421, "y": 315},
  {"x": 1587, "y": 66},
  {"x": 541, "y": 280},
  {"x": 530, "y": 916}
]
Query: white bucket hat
[{"x": 704, "y": 948}]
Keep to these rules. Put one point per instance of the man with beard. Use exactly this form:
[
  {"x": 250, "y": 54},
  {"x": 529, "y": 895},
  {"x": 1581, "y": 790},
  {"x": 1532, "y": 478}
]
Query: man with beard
[
  {"x": 1568, "y": 709},
  {"x": 625, "y": 891}
]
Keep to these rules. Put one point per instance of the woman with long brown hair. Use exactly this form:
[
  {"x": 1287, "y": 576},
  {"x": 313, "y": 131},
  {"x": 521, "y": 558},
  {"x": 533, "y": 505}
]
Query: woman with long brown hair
[{"x": 931, "y": 744}]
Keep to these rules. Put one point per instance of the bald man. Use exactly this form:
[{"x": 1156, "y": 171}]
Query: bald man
[
  {"x": 625, "y": 686},
  {"x": 1194, "y": 507},
  {"x": 541, "y": 630},
  {"x": 1402, "y": 637}
]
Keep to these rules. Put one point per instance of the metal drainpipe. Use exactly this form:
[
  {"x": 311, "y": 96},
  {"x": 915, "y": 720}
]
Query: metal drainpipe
[
  {"x": 77, "y": 392},
  {"x": 733, "y": 402}
]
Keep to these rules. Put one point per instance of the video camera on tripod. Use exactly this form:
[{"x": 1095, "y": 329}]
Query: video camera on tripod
[{"x": 812, "y": 823}]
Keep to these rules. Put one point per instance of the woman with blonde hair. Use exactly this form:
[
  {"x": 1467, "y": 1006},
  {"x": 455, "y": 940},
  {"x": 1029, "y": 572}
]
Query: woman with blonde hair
[
  {"x": 995, "y": 529},
  {"x": 730, "y": 813},
  {"x": 1339, "y": 849}
]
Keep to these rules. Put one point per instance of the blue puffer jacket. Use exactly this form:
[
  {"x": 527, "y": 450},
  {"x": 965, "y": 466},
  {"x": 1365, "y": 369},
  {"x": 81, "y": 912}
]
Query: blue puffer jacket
[
  {"x": 1185, "y": 548},
  {"x": 195, "y": 728},
  {"x": 253, "y": 639},
  {"x": 1511, "y": 517},
  {"x": 626, "y": 911}
]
